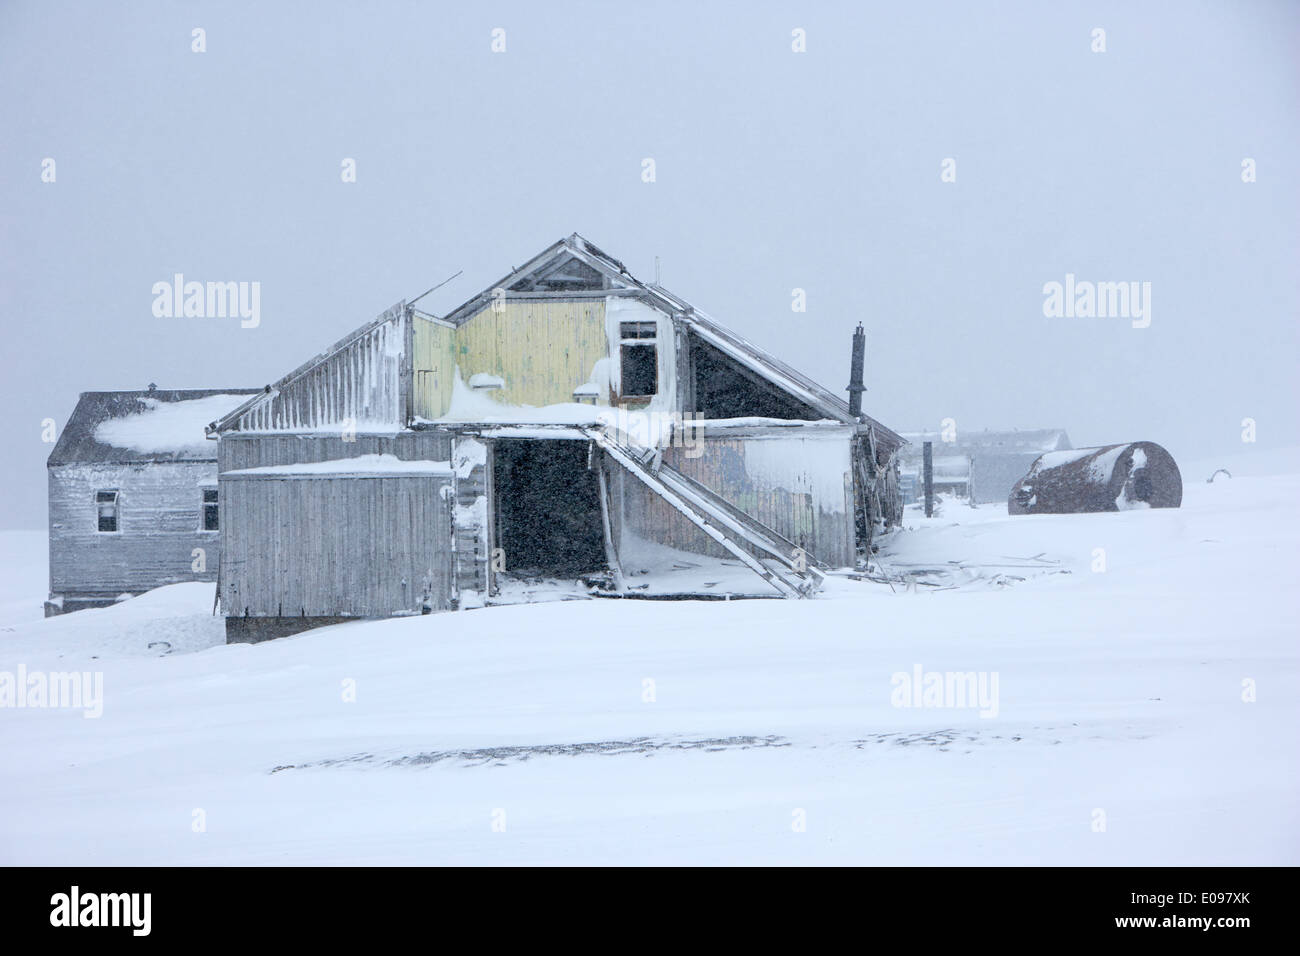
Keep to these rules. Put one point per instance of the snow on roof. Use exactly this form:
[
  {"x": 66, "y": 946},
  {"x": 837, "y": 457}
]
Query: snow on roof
[
  {"x": 1028, "y": 441},
  {"x": 153, "y": 425},
  {"x": 642, "y": 427},
  {"x": 469, "y": 405},
  {"x": 829, "y": 425},
  {"x": 1100, "y": 467},
  {"x": 1056, "y": 459},
  {"x": 550, "y": 432},
  {"x": 166, "y": 426},
  {"x": 373, "y": 466}
]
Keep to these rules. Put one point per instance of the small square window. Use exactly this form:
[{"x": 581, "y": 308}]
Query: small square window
[
  {"x": 210, "y": 510},
  {"x": 106, "y": 510}
]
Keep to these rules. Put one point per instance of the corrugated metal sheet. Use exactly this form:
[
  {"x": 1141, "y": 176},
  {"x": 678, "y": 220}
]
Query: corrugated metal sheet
[{"x": 1109, "y": 478}]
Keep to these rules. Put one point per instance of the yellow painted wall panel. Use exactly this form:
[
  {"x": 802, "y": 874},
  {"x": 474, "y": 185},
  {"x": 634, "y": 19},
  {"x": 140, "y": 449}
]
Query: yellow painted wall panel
[
  {"x": 434, "y": 366},
  {"x": 543, "y": 350}
]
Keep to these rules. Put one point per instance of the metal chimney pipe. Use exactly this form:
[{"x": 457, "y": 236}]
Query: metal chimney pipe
[{"x": 856, "y": 387}]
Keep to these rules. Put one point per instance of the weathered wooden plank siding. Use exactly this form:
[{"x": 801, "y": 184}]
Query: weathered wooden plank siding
[
  {"x": 362, "y": 382},
  {"x": 542, "y": 349},
  {"x": 159, "y": 515},
  {"x": 336, "y": 546},
  {"x": 434, "y": 348},
  {"x": 801, "y": 488}
]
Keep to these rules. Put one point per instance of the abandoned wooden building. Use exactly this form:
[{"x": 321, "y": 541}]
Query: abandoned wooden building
[
  {"x": 133, "y": 495},
  {"x": 570, "y": 427}
]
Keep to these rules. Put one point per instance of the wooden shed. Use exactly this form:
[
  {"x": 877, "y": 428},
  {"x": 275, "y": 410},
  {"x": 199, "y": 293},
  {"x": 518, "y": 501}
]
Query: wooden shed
[{"x": 133, "y": 495}]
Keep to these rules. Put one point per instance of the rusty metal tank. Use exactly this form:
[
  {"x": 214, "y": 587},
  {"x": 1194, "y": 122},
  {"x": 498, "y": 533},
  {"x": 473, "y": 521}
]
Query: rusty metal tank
[{"x": 1140, "y": 474}]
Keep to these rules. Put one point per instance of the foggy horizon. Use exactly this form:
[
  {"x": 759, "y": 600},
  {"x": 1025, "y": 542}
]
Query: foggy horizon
[{"x": 774, "y": 171}]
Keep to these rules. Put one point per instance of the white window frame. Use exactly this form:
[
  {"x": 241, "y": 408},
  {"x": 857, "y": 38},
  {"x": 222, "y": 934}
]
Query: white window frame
[
  {"x": 117, "y": 509},
  {"x": 204, "y": 505}
]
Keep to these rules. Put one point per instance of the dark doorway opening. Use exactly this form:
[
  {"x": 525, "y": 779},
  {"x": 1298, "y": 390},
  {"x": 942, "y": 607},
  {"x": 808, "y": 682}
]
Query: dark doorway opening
[
  {"x": 548, "y": 518},
  {"x": 1142, "y": 486}
]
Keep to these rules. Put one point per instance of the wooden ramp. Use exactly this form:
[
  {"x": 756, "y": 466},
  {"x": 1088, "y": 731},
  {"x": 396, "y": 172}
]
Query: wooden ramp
[{"x": 772, "y": 557}]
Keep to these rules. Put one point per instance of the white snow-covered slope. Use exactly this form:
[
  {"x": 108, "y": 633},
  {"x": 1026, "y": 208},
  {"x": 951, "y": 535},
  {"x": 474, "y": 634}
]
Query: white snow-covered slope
[{"x": 635, "y": 732}]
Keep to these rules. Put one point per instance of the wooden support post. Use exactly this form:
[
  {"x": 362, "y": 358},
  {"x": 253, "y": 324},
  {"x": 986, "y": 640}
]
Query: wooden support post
[
  {"x": 611, "y": 549},
  {"x": 927, "y": 459}
]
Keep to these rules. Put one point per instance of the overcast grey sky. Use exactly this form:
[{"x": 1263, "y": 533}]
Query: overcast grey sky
[{"x": 774, "y": 170}]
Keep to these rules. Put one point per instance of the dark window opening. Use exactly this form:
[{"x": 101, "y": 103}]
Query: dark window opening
[
  {"x": 548, "y": 518},
  {"x": 106, "y": 510},
  {"x": 210, "y": 510},
  {"x": 640, "y": 370},
  {"x": 638, "y": 359},
  {"x": 567, "y": 275}
]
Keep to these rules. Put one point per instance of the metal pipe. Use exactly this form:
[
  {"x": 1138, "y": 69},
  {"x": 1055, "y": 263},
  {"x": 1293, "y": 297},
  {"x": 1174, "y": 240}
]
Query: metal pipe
[{"x": 856, "y": 387}]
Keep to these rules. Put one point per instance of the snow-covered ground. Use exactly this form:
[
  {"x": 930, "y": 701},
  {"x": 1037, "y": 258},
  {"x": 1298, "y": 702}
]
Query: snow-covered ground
[{"x": 611, "y": 731}]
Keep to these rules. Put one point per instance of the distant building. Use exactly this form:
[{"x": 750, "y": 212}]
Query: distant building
[
  {"x": 133, "y": 494},
  {"x": 981, "y": 465}
]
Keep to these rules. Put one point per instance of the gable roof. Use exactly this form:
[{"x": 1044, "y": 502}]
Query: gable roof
[
  {"x": 575, "y": 267},
  {"x": 538, "y": 273},
  {"x": 569, "y": 258},
  {"x": 147, "y": 425},
  {"x": 332, "y": 363}
]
